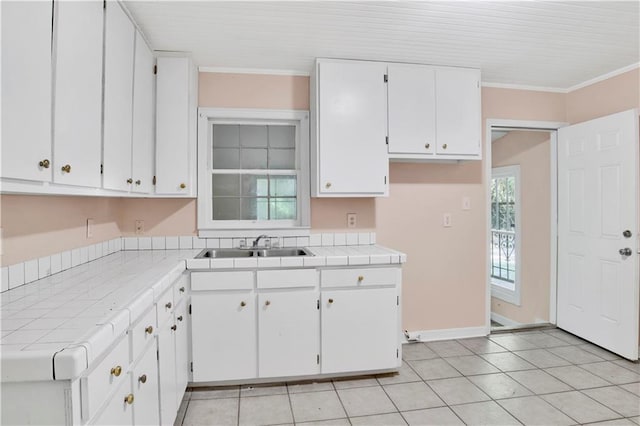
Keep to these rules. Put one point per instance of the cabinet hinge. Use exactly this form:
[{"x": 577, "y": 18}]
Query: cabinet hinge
[
  {"x": 189, "y": 309},
  {"x": 101, "y": 169},
  {"x": 104, "y": 4},
  {"x": 478, "y": 83},
  {"x": 397, "y": 300},
  {"x": 318, "y": 304},
  {"x": 155, "y": 69},
  {"x": 386, "y": 139},
  {"x": 397, "y": 354},
  {"x": 154, "y": 180},
  {"x": 192, "y": 367},
  {"x": 385, "y": 180},
  {"x": 318, "y": 359},
  {"x": 158, "y": 355},
  {"x": 386, "y": 78}
]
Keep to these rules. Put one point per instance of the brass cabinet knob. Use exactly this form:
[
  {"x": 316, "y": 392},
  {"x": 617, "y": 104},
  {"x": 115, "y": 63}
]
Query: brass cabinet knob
[
  {"x": 428, "y": 145},
  {"x": 180, "y": 318},
  {"x": 168, "y": 305},
  {"x": 148, "y": 329},
  {"x": 330, "y": 300},
  {"x": 444, "y": 146},
  {"x": 129, "y": 399},
  {"x": 44, "y": 163},
  {"x": 138, "y": 182},
  {"x": 116, "y": 371},
  {"x": 267, "y": 303},
  {"x": 243, "y": 303},
  {"x": 143, "y": 378},
  {"x": 181, "y": 289},
  {"x": 360, "y": 278},
  {"x": 174, "y": 327},
  {"x": 66, "y": 168},
  {"x": 129, "y": 181},
  {"x": 183, "y": 186},
  {"x": 328, "y": 185}
]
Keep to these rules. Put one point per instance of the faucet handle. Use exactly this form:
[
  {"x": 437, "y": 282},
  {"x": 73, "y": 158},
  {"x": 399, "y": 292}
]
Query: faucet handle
[{"x": 243, "y": 243}]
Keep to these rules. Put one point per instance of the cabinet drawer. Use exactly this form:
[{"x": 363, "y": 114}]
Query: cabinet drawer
[
  {"x": 288, "y": 278},
  {"x": 142, "y": 333},
  {"x": 165, "y": 306},
  {"x": 117, "y": 411},
  {"x": 108, "y": 375},
  {"x": 229, "y": 280},
  {"x": 359, "y": 276},
  {"x": 180, "y": 289}
]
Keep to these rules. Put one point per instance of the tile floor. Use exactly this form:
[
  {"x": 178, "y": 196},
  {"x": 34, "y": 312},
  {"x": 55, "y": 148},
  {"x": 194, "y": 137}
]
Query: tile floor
[{"x": 536, "y": 377}]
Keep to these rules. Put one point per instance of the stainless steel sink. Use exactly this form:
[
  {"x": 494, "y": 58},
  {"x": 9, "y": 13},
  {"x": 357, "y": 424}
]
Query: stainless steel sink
[{"x": 250, "y": 252}]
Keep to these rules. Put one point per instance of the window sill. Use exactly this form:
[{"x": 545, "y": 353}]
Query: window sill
[
  {"x": 299, "y": 231},
  {"x": 499, "y": 292}
]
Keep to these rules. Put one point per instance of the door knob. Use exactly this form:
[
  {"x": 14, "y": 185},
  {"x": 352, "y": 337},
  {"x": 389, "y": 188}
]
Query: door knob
[
  {"x": 626, "y": 234},
  {"x": 625, "y": 251}
]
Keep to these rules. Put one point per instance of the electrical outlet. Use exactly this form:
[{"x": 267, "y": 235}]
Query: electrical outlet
[
  {"x": 90, "y": 228},
  {"x": 139, "y": 227},
  {"x": 446, "y": 220},
  {"x": 466, "y": 203},
  {"x": 352, "y": 220}
]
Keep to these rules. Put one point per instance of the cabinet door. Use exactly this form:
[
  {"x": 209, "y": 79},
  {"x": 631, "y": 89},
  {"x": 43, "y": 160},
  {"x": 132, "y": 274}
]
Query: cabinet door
[
  {"x": 118, "y": 98},
  {"x": 223, "y": 336},
  {"x": 360, "y": 330},
  {"x": 288, "y": 339},
  {"x": 352, "y": 129},
  {"x": 411, "y": 109},
  {"x": 167, "y": 372},
  {"x": 26, "y": 89},
  {"x": 78, "y": 93},
  {"x": 173, "y": 127},
  {"x": 458, "y": 111},
  {"x": 117, "y": 411},
  {"x": 143, "y": 112},
  {"x": 146, "y": 407},
  {"x": 182, "y": 352}
]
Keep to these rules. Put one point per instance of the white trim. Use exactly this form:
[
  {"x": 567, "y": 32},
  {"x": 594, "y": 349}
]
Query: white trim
[
  {"x": 504, "y": 320},
  {"x": 262, "y": 71},
  {"x": 603, "y": 77},
  {"x": 553, "y": 250},
  {"x": 524, "y": 87},
  {"x": 449, "y": 333}
]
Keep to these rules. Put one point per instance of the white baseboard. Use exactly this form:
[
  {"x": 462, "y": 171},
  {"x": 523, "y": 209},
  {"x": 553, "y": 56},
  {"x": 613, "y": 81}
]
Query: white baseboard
[
  {"x": 503, "y": 320},
  {"x": 449, "y": 333}
]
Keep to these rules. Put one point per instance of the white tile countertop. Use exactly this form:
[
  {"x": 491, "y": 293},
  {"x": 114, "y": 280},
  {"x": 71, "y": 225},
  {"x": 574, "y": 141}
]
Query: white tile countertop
[{"x": 73, "y": 316}]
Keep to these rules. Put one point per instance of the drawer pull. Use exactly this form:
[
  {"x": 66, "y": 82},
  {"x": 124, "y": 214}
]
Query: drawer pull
[
  {"x": 148, "y": 330},
  {"x": 183, "y": 186},
  {"x": 138, "y": 182},
  {"x": 180, "y": 318},
  {"x": 129, "y": 181},
  {"x": 330, "y": 300},
  {"x": 143, "y": 378},
  {"x": 181, "y": 289},
  {"x": 116, "y": 371},
  {"x": 360, "y": 278},
  {"x": 174, "y": 327},
  {"x": 444, "y": 146},
  {"x": 428, "y": 145},
  {"x": 66, "y": 168},
  {"x": 267, "y": 303},
  {"x": 44, "y": 163},
  {"x": 168, "y": 305},
  {"x": 243, "y": 303},
  {"x": 129, "y": 399}
]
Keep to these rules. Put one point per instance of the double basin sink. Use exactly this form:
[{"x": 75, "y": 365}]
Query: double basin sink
[{"x": 252, "y": 252}]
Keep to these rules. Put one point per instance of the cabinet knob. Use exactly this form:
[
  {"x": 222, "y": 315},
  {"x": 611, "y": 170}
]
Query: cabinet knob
[
  {"x": 168, "y": 305},
  {"x": 148, "y": 330},
  {"x": 444, "y": 146},
  {"x": 427, "y": 146},
  {"x": 129, "y": 181},
  {"x": 116, "y": 371},
  {"x": 174, "y": 327},
  {"x": 267, "y": 303},
  {"x": 243, "y": 303},
  {"x": 66, "y": 168},
  {"x": 360, "y": 278},
  {"x": 44, "y": 163},
  {"x": 183, "y": 186},
  {"x": 328, "y": 185},
  {"x": 330, "y": 300},
  {"x": 129, "y": 399},
  {"x": 143, "y": 378},
  {"x": 181, "y": 289},
  {"x": 138, "y": 182},
  {"x": 180, "y": 318}
]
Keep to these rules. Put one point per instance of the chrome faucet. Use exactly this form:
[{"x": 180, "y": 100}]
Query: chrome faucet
[{"x": 255, "y": 242}]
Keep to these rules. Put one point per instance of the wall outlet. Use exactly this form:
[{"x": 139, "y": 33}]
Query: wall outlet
[
  {"x": 139, "y": 227},
  {"x": 446, "y": 220},
  {"x": 90, "y": 224},
  {"x": 352, "y": 220},
  {"x": 466, "y": 203}
]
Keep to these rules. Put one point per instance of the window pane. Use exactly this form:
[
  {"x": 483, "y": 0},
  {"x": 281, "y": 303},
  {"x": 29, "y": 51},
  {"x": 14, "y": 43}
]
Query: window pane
[
  {"x": 226, "y": 208},
  {"x": 283, "y": 186},
  {"x": 255, "y": 185},
  {"x": 282, "y": 159},
  {"x": 282, "y": 136},
  {"x": 253, "y": 158},
  {"x": 226, "y": 185},
  {"x": 253, "y": 136},
  {"x": 225, "y": 136},
  {"x": 226, "y": 158},
  {"x": 282, "y": 208},
  {"x": 255, "y": 209}
]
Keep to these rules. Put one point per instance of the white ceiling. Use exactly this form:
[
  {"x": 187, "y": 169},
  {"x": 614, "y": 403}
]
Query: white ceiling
[{"x": 532, "y": 43}]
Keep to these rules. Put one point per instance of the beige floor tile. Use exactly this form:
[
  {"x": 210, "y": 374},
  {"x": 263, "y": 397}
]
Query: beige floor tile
[
  {"x": 432, "y": 416},
  {"x": 335, "y": 422},
  {"x": 499, "y": 386},
  {"x": 629, "y": 365},
  {"x": 413, "y": 396},
  {"x": 412, "y": 351},
  {"x": 507, "y": 361},
  {"x": 580, "y": 407},
  {"x": 484, "y": 413},
  {"x": 404, "y": 375},
  {"x": 391, "y": 419},
  {"x": 481, "y": 345},
  {"x": 433, "y": 369},
  {"x": 616, "y": 422},
  {"x": 635, "y": 420},
  {"x": 265, "y": 410},
  {"x": 313, "y": 406},
  {"x": 539, "y": 382},
  {"x": 263, "y": 389},
  {"x": 543, "y": 340},
  {"x": 612, "y": 372},
  {"x": 355, "y": 382},
  {"x": 566, "y": 337},
  {"x": 632, "y": 387},
  {"x": 458, "y": 390},
  {"x": 512, "y": 342},
  {"x": 471, "y": 365},
  {"x": 574, "y": 354},
  {"x": 617, "y": 399},
  {"x": 448, "y": 348},
  {"x": 577, "y": 377},
  {"x": 215, "y": 392},
  {"x": 366, "y": 401},
  {"x": 542, "y": 358},
  {"x": 532, "y": 410},
  {"x": 299, "y": 387},
  {"x": 212, "y": 411},
  {"x": 597, "y": 350}
]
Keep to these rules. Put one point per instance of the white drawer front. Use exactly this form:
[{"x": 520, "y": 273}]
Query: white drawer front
[
  {"x": 225, "y": 280},
  {"x": 142, "y": 333},
  {"x": 165, "y": 306},
  {"x": 107, "y": 375},
  {"x": 287, "y": 278},
  {"x": 359, "y": 277}
]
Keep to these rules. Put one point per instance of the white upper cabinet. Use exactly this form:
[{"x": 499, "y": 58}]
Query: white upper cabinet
[
  {"x": 26, "y": 90},
  {"x": 175, "y": 126},
  {"x": 458, "y": 113},
  {"x": 78, "y": 93},
  {"x": 412, "y": 109},
  {"x": 349, "y": 152},
  {"x": 118, "y": 98},
  {"x": 143, "y": 117}
]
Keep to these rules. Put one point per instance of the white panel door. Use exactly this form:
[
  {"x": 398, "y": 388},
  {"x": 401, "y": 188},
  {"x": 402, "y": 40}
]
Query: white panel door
[
  {"x": 223, "y": 336},
  {"x": 598, "y": 289},
  {"x": 146, "y": 407},
  {"x": 118, "y": 98},
  {"x": 26, "y": 89},
  {"x": 412, "y": 109},
  {"x": 167, "y": 372},
  {"x": 359, "y": 330},
  {"x": 143, "y": 115},
  {"x": 458, "y": 111},
  {"x": 289, "y": 338},
  {"x": 352, "y": 128},
  {"x": 78, "y": 93}
]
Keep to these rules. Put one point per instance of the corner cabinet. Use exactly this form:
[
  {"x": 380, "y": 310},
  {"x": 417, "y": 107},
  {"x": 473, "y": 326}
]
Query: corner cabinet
[{"x": 349, "y": 129}]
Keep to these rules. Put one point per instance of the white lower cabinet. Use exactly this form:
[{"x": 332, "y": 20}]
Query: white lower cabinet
[
  {"x": 288, "y": 337},
  {"x": 146, "y": 406},
  {"x": 182, "y": 351},
  {"x": 119, "y": 409}
]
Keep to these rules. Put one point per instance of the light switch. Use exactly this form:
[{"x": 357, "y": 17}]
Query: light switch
[
  {"x": 466, "y": 203},
  {"x": 352, "y": 220},
  {"x": 446, "y": 220}
]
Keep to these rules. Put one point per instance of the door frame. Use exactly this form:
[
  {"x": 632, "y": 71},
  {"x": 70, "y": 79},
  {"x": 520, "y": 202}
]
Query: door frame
[{"x": 552, "y": 127}]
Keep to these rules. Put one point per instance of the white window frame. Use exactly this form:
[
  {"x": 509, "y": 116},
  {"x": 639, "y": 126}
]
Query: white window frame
[
  {"x": 207, "y": 227},
  {"x": 498, "y": 290}
]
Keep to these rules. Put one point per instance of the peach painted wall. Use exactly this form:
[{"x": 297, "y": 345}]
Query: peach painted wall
[
  {"x": 161, "y": 217},
  {"x": 531, "y": 151}
]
